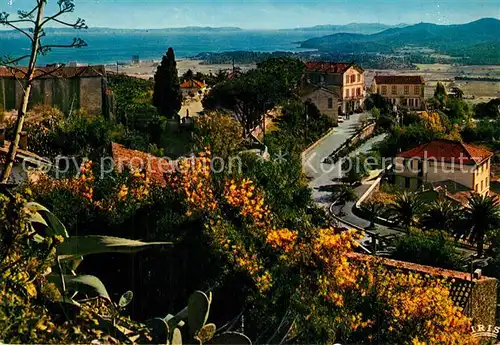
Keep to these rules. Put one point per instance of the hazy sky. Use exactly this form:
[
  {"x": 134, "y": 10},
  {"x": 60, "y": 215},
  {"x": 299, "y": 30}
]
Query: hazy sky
[{"x": 269, "y": 14}]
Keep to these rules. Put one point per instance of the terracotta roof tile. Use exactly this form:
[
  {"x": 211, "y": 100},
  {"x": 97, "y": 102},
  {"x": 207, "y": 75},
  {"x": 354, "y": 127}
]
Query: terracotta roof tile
[
  {"x": 55, "y": 72},
  {"x": 449, "y": 151},
  {"x": 193, "y": 84},
  {"x": 330, "y": 67},
  {"x": 461, "y": 283},
  {"x": 137, "y": 160},
  {"x": 399, "y": 79}
]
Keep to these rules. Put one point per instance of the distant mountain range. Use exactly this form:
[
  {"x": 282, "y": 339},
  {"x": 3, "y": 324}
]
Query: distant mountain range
[
  {"x": 441, "y": 38},
  {"x": 359, "y": 28}
]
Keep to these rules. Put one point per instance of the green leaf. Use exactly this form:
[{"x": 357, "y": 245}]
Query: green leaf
[
  {"x": 76, "y": 246},
  {"x": 159, "y": 330},
  {"x": 233, "y": 338},
  {"x": 87, "y": 284},
  {"x": 176, "y": 337},
  {"x": 125, "y": 299},
  {"x": 198, "y": 309},
  {"x": 53, "y": 224}
]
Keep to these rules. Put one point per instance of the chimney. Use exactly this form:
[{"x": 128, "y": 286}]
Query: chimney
[
  {"x": 23, "y": 141},
  {"x": 2, "y": 136},
  {"x": 477, "y": 273}
]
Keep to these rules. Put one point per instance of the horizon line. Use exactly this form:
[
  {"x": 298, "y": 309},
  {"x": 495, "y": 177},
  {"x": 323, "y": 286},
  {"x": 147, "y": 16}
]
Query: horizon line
[{"x": 262, "y": 29}]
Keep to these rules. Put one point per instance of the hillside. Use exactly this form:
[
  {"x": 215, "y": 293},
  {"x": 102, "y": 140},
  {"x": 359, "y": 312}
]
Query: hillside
[
  {"x": 445, "y": 39},
  {"x": 358, "y": 28}
]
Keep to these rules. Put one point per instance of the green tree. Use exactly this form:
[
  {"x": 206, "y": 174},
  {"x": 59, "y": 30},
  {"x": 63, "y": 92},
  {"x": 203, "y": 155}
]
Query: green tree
[
  {"x": 343, "y": 196},
  {"x": 189, "y": 75},
  {"x": 442, "y": 214},
  {"x": 427, "y": 248},
  {"x": 167, "y": 96},
  {"x": 440, "y": 95},
  {"x": 406, "y": 209},
  {"x": 376, "y": 205},
  {"x": 481, "y": 216}
]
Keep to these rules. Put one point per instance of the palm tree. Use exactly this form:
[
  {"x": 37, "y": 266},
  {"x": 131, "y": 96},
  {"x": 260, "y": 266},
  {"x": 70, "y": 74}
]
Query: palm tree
[
  {"x": 442, "y": 214},
  {"x": 376, "y": 205},
  {"x": 345, "y": 195},
  {"x": 406, "y": 209},
  {"x": 480, "y": 217}
]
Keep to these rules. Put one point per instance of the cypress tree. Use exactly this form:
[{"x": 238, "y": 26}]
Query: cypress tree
[{"x": 167, "y": 95}]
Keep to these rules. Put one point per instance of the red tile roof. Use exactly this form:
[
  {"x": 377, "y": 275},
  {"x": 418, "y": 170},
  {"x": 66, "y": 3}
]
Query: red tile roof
[
  {"x": 330, "y": 67},
  {"x": 449, "y": 151},
  {"x": 193, "y": 84},
  {"x": 399, "y": 79},
  {"x": 137, "y": 160},
  {"x": 410, "y": 266},
  {"x": 54, "y": 72}
]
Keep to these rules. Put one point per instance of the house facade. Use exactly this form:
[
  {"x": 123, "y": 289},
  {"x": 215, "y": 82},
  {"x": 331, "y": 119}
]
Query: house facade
[
  {"x": 401, "y": 90},
  {"x": 191, "y": 87},
  {"x": 345, "y": 79},
  {"x": 65, "y": 88},
  {"x": 326, "y": 100},
  {"x": 439, "y": 161}
]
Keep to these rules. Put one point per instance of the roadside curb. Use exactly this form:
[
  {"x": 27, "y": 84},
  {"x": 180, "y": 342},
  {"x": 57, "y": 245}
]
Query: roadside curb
[{"x": 319, "y": 141}]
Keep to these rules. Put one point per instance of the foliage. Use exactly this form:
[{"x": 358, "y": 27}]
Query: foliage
[
  {"x": 43, "y": 300},
  {"x": 480, "y": 217},
  {"x": 406, "y": 209},
  {"x": 442, "y": 214},
  {"x": 221, "y": 133},
  {"x": 256, "y": 91},
  {"x": 377, "y": 204},
  {"x": 167, "y": 96},
  {"x": 440, "y": 94},
  {"x": 490, "y": 109},
  {"x": 128, "y": 91},
  {"x": 427, "y": 248}
]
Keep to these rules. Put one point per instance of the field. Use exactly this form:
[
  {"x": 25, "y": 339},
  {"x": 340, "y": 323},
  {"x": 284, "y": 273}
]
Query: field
[{"x": 476, "y": 91}]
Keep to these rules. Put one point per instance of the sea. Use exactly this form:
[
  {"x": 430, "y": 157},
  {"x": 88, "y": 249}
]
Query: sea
[{"x": 110, "y": 47}]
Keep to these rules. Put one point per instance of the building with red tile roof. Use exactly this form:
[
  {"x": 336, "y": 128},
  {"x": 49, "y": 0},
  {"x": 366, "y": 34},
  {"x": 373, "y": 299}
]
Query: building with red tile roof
[
  {"x": 444, "y": 160},
  {"x": 65, "y": 88},
  {"x": 401, "y": 90},
  {"x": 348, "y": 80},
  {"x": 134, "y": 160},
  {"x": 475, "y": 294}
]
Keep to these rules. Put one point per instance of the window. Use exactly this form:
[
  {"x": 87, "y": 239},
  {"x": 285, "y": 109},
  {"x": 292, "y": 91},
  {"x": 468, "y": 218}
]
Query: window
[
  {"x": 347, "y": 93},
  {"x": 407, "y": 89},
  {"x": 416, "y": 103},
  {"x": 482, "y": 185},
  {"x": 384, "y": 89},
  {"x": 347, "y": 79},
  {"x": 394, "y": 89},
  {"x": 407, "y": 182},
  {"x": 411, "y": 102},
  {"x": 353, "y": 78},
  {"x": 359, "y": 78},
  {"x": 358, "y": 91},
  {"x": 416, "y": 90},
  {"x": 330, "y": 103},
  {"x": 487, "y": 182},
  {"x": 405, "y": 102}
]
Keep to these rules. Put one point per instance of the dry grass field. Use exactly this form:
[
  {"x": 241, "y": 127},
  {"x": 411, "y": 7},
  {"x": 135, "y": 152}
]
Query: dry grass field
[{"x": 476, "y": 91}]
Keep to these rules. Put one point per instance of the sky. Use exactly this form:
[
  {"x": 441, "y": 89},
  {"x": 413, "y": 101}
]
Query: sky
[{"x": 270, "y": 14}]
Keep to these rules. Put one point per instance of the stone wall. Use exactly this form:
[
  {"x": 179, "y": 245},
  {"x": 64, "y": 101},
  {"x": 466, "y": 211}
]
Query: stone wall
[
  {"x": 64, "y": 94},
  {"x": 483, "y": 302}
]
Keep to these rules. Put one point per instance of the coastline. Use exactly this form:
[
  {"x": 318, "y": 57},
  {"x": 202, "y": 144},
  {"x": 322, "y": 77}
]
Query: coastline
[{"x": 147, "y": 69}]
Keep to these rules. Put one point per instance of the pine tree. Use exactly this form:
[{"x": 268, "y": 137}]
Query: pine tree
[{"x": 167, "y": 96}]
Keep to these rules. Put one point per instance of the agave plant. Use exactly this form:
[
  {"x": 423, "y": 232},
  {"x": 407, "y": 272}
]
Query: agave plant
[{"x": 70, "y": 251}]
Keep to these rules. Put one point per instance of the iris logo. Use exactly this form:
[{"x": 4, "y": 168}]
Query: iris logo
[{"x": 490, "y": 331}]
